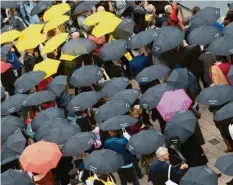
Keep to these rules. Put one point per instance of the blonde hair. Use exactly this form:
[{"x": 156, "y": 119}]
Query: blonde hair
[{"x": 161, "y": 151}]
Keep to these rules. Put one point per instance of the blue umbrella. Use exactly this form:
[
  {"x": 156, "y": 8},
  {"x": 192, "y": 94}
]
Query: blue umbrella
[
  {"x": 228, "y": 30},
  {"x": 57, "y": 85},
  {"x": 128, "y": 95},
  {"x": 225, "y": 112},
  {"x": 225, "y": 164}
]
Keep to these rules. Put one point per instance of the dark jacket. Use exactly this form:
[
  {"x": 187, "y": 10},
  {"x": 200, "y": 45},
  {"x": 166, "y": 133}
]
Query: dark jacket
[
  {"x": 29, "y": 62},
  {"x": 17, "y": 23}
]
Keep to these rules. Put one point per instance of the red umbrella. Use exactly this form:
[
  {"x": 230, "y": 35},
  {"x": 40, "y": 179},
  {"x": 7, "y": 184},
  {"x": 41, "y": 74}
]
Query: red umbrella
[{"x": 4, "y": 67}]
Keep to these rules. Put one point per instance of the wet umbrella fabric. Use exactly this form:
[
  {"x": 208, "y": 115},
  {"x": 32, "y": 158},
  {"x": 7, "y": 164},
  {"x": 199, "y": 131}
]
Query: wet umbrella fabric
[
  {"x": 201, "y": 175},
  {"x": 5, "y": 49},
  {"x": 84, "y": 6},
  {"x": 10, "y": 4},
  {"x": 128, "y": 95},
  {"x": 28, "y": 81},
  {"x": 78, "y": 143},
  {"x": 40, "y": 7},
  {"x": 230, "y": 75},
  {"x": 225, "y": 165},
  {"x": 182, "y": 124},
  {"x": 225, "y": 112},
  {"x": 179, "y": 78},
  {"x": 228, "y": 30},
  {"x": 118, "y": 122},
  {"x": 58, "y": 84},
  {"x": 145, "y": 142},
  {"x": 222, "y": 46},
  {"x": 83, "y": 101},
  {"x": 216, "y": 95},
  {"x": 6, "y": 28},
  {"x": 231, "y": 7},
  {"x": 103, "y": 161}
]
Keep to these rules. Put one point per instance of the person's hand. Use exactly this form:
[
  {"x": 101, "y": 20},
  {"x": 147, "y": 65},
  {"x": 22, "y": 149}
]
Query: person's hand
[
  {"x": 143, "y": 126},
  {"x": 184, "y": 166}
]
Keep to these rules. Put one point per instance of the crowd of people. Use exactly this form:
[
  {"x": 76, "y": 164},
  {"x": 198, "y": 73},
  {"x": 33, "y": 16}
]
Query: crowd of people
[{"x": 92, "y": 87}]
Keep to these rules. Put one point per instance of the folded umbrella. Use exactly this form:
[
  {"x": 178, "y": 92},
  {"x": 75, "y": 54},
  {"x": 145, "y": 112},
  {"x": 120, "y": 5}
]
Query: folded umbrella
[
  {"x": 38, "y": 98},
  {"x": 114, "y": 86},
  {"x": 128, "y": 95},
  {"x": 18, "y": 177},
  {"x": 216, "y": 95},
  {"x": 110, "y": 109},
  {"x": 49, "y": 156},
  {"x": 54, "y": 23},
  {"x": 5, "y": 49},
  {"x": 225, "y": 112},
  {"x": 85, "y": 6},
  {"x": 113, "y": 50},
  {"x": 151, "y": 73},
  {"x": 83, "y": 101},
  {"x": 228, "y": 30},
  {"x": 13, "y": 104},
  {"x": 201, "y": 175},
  {"x": 118, "y": 122},
  {"x": 57, "y": 85},
  {"x": 145, "y": 142},
  {"x": 40, "y": 7},
  {"x": 230, "y": 75},
  {"x": 10, "y": 4},
  {"x": 225, "y": 164},
  {"x": 9, "y": 36},
  {"x": 78, "y": 143},
  {"x": 86, "y": 76},
  {"x": 103, "y": 161}
]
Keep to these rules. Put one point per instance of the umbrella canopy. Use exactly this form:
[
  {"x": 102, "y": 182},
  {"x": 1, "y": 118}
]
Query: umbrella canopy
[
  {"x": 182, "y": 124},
  {"x": 54, "y": 23},
  {"x": 113, "y": 50},
  {"x": 179, "y": 78},
  {"x": 58, "y": 84},
  {"x": 124, "y": 30},
  {"x": 201, "y": 175},
  {"x": 11, "y": 176},
  {"x": 173, "y": 102},
  {"x": 145, "y": 142},
  {"x": 85, "y": 6},
  {"x": 153, "y": 95},
  {"x": 103, "y": 161},
  {"x": 216, "y": 95},
  {"x": 151, "y": 73},
  {"x": 168, "y": 38},
  {"x": 225, "y": 112},
  {"x": 222, "y": 46},
  {"x": 5, "y": 49},
  {"x": 110, "y": 109},
  {"x": 4, "y": 67},
  {"x": 28, "y": 81},
  {"x": 38, "y": 98},
  {"x": 12, "y": 148},
  {"x": 54, "y": 43},
  {"x": 6, "y": 28},
  {"x": 118, "y": 122},
  {"x": 76, "y": 47},
  {"x": 228, "y": 30},
  {"x": 40, "y": 7},
  {"x": 13, "y": 104},
  {"x": 46, "y": 115},
  {"x": 86, "y": 76},
  {"x": 203, "y": 35},
  {"x": 78, "y": 143},
  {"x": 10, "y": 125},
  {"x": 114, "y": 86},
  {"x": 67, "y": 57},
  {"x": 9, "y": 36},
  {"x": 49, "y": 156},
  {"x": 128, "y": 95},
  {"x": 10, "y": 4},
  {"x": 83, "y": 101},
  {"x": 231, "y": 7},
  {"x": 225, "y": 165},
  {"x": 31, "y": 30},
  {"x": 230, "y": 75},
  {"x": 98, "y": 17}
]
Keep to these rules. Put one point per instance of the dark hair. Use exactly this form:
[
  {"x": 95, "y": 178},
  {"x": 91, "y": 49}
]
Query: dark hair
[
  {"x": 223, "y": 59},
  {"x": 137, "y": 2},
  {"x": 195, "y": 9},
  {"x": 229, "y": 16},
  {"x": 72, "y": 173}
]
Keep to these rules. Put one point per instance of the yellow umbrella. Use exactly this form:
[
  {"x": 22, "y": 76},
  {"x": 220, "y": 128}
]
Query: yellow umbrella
[
  {"x": 54, "y": 43},
  {"x": 9, "y": 36},
  {"x": 56, "y": 10},
  {"x": 106, "y": 27},
  {"x": 49, "y": 66},
  {"x": 97, "y": 18},
  {"x": 67, "y": 57},
  {"x": 55, "y": 23},
  {"x": 30, "y": 42}
]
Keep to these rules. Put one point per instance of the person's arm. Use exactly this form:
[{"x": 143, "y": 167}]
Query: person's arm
[
  {"x": 110, "y": 8},
  {"x": 24, "y": 16}
]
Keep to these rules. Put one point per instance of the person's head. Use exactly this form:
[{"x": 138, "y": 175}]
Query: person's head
[
  {"x": 30, "y": 51},
  {"x": 162, "y": 154},
  {"x": 151, "y": 9},
  {"x": 186, "y": 21},
  {"x": 136, "y": 112},
  {"x": 100, "y": 9},
  {"x": 75, "y": 35},
  {"x": 33, "y": 111},
  {"x": 73, "y": 174},
  {"x": 220, "y": 58},
  {"x": 12, "y": 11},
  {"x": 228, "y": 18},
  {"x": 195, "y": 9},
  {"x": 138, "y": 3},
  {"x": 168, "y": 9},
  {"x": 113, "y": 133}
]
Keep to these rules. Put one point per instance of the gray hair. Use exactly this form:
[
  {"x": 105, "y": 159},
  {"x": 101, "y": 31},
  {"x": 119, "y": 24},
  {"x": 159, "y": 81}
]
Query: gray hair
[
  {"x": 167, "y": 8},
  {"x": 150, "y": 8},
  {"x": 161, "y": 151}
]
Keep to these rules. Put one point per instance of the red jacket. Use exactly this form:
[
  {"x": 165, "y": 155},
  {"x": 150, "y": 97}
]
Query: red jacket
[{"x": 174, "y": 20}]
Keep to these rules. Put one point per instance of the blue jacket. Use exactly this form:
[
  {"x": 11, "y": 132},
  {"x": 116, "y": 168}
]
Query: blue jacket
[
  {"x": 13, "y": 60},
  {"x": 137, "y": 64}
]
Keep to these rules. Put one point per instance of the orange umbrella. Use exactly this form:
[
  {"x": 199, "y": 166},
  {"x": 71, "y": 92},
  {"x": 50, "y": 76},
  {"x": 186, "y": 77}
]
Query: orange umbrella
[{"x": 40, "y": 157}]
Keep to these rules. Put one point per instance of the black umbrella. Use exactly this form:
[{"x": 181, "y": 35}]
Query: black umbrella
[
  {"x": 153, "y": 72},
  {"x": 5, "y": 49},
  {"x": 231, "y": 7},
  {"x": 153, "y": 95},
  {"x": 83, "y": 101},
  {"x": 12, "y": 148},
  {"x": 38, "y": 98},
  {"x": 201, "y": 175},
  {"x": 46, "y": 115},
  {"x": 230, "y": 75},
  {"x": 124, "y": 30},
  {"x": 113, "y": 50},
  {"x": 85, "y": 6},
  {"x": 179, "y": 78},
  {"x": 225, "y": 112},
  {"x": 228, "y": 30},
  {"x": 18, "y": 177},
  {"x": 78, "y": 143},
  {"x": 28, "y": 81},
  {"x": 222, "y": 46},
  {"x": 114, "y": 86},
  {"x": 128, "y": 95},
  {"x": 13, "y": 104},
  {"x": 58, "y": 84},
  {"x": 10, "y": 4},
  {"x": 10, "y": 125},
  {"x": 76, "y": 47},
  {"x": 57, "y": 131},
  {"x": 216, "y": 95},
  {"x": 103, "y": 161},
  {"x": 225, "y": 164},
  {"x": 145, "y": 142},
  {"x": 118, "y": 122},
  {"x": 203, "y": 35},
  {"x": 86, "y": 76},
  {"x": 40, "y": 7},
  {"x": 182, "y": 124},
  {"x": 110, "y": 109},
  {"x": 6, "y": 28}
]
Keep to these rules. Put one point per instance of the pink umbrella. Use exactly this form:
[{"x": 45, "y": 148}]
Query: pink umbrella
[{"x": 173, "y": 102}]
